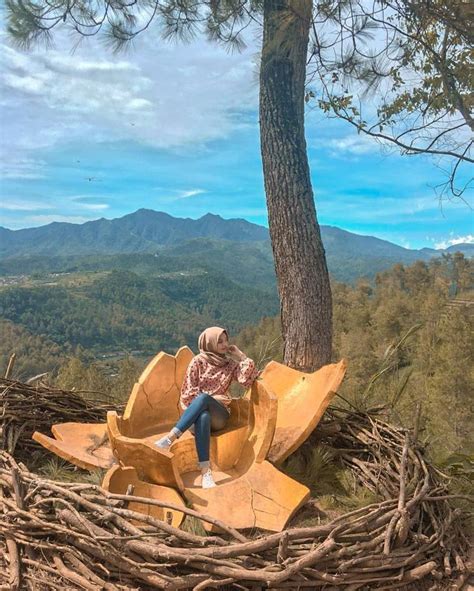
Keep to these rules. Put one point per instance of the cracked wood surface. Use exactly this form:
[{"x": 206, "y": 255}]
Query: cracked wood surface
[{"x": 263, "y": 497}]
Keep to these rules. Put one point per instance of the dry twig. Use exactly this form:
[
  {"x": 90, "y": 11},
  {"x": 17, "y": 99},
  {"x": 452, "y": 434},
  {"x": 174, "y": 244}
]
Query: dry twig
[{"x": 75, "y": 535}]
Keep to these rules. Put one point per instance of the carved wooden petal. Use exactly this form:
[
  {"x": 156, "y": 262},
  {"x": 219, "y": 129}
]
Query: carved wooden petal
[
  {"x": 263, "y": 497},
  {"x": 83, "y": 444},
  {"x": 154, "y": 402},
  {"x": 302, "y": 400},
  {"x": 151, "y": 463},
  {"x": 118, "y": 480},
  {"x": 253, "y": 493},
  {"x": 154, "y": 398}
]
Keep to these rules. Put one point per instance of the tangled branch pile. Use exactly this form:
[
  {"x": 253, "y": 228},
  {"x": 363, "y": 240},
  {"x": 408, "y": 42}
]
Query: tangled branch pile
[
  {"x": 28, "y": 408},
  {"x": 82, "y": 536}
]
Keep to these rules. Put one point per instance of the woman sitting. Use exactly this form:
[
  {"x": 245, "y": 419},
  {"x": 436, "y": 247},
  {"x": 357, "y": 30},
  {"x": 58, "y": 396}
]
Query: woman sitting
[{"x": 204, "y": 394}]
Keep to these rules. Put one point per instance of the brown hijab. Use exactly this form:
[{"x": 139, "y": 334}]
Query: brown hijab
[{"x": 207, "y": 344}]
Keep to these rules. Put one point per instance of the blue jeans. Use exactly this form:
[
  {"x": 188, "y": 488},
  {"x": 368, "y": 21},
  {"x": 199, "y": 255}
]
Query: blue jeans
[{"x": 206, "y": 414}]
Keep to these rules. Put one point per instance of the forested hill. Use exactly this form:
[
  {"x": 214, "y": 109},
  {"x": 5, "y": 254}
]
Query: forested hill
[
  {"x": 150, "y": 242},
  {"x": 142, "y": 231},
  {"x": 148, "y": 231},
  {"x": 121, "y": 311}
]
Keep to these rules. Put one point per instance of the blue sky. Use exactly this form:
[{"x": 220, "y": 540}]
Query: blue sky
[{"x": 175, "y": 128}]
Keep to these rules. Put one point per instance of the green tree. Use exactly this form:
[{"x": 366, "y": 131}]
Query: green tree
[
  {"x": 423, "y": 74},
  {"x": 407, "y": 345},
  {"x": 76, "y": 375},
  {"x": 129, "y": 370},
  {"x": 449, "y": 384}
]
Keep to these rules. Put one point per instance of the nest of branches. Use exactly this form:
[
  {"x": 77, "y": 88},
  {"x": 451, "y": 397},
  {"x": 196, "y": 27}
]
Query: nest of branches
[
  {"x": 27, "y": 408},
  {"x": 82, "y": 537}
]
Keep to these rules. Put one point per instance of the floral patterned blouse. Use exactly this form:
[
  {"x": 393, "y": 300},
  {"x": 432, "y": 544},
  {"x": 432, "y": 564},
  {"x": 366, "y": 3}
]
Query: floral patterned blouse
[{"x": 202, "y": 376}]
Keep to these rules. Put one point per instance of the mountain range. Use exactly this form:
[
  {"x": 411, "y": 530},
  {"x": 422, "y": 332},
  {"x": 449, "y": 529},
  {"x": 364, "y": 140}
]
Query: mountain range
[
  {"x": 142, "y": 231},
  {"x": 149, "y": 281},
  {"x": 236, "y": 247}
]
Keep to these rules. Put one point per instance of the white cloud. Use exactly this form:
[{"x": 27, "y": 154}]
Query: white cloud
[
  {"x": 354, "y": 144},
  {"x": 381, "y": 208},
  {"x": 468, "y": 239},
  {"x": 190, "y": 193},
  {"x": 19, "y": 205},
  {"x": 140, "y": 103},
  {"x": 95, "y": 206},
  {"x": 47, "y": 219},
  {"x": 27, "y": 84},
  {"x": 67, "y": 63},
  {"x": 162, "y": 95},
  {"x": 18, "y": 166}
]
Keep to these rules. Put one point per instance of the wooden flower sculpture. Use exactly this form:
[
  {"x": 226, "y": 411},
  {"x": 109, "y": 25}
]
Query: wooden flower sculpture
[{"x": 270, "y": 422}]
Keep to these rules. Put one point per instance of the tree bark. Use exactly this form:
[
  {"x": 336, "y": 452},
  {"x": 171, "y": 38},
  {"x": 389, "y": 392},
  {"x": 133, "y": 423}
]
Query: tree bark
[{"x": 300, "y": 261}]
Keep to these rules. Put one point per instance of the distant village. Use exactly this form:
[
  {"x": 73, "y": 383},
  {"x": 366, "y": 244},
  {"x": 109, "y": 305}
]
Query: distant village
[{"x": 18, "y": 280}]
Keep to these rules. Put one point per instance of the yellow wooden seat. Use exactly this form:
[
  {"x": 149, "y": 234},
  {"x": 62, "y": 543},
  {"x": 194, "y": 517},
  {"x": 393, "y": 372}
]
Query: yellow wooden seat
[
  {"x": 251, "y": 492},
  {"x": 272, "y": 420},
  {"x": 153, "y": 408}
]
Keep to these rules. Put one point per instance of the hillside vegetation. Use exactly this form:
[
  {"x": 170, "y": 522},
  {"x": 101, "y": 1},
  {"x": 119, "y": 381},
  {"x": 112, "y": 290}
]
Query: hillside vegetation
[
  {"x": 407, "y": 342},
  {"x": 125, "y": 312}
]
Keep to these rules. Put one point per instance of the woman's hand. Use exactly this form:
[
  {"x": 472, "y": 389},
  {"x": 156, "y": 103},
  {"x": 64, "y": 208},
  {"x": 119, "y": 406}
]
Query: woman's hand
[{"x": 234, "y": 351}]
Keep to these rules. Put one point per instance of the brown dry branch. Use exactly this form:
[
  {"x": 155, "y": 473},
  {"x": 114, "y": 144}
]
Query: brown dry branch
[
  {"x": 26, "y": 408},
  {"x": 77, "y": 535},
  {"x": 57, "y": 535}
]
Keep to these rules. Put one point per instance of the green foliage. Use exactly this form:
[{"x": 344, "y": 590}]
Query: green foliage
[
  {"x": 411, "y": 347},
  {"x": 193, "y": 525},
  {"x": 57, "y": 469},
  {"x": 121, "y": 22},
  {"x": 115, "y": 382},
  {"x": 423, "y": 75},
  {"x": 461, "y": 466},
  {"x": 355, "y": 496},
  {"x": 77, "y": 375},
  {"x": 262, "y": 343},
  {"x": 125, "y": 312},
  {"x": 317, "y": 469},
  {"x": 406, "y": 339},
  {"x": 34, "y": 353},
  {"x": 248, "y": 263},
  {"x": 129, "y": 369},
  {"x": 407, "y": 342}
]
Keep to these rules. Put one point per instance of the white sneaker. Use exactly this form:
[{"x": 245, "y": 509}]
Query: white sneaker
[
  {"x": 208, "y": 480},
  {"x": 163, "y": 443}
]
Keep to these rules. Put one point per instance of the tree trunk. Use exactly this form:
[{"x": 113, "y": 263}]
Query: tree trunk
[{"x": 300, "y": 262}]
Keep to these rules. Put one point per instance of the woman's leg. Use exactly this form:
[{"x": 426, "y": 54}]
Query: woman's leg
[
  {"x": 213, "y": 419},
  {"x": 205, "y": 413},
  {"x": 189, "y": 416},
  {"x": 198, "y": 405},
  {"x": 202, "y": 433},
  {"x": 219, "y": 416}
]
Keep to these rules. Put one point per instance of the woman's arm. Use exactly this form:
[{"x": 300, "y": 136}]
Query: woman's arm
[
  {"x": 236, "y": 353},
  {"x": 190, "y": 387},
  {"x": 245, "y": 373}
]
